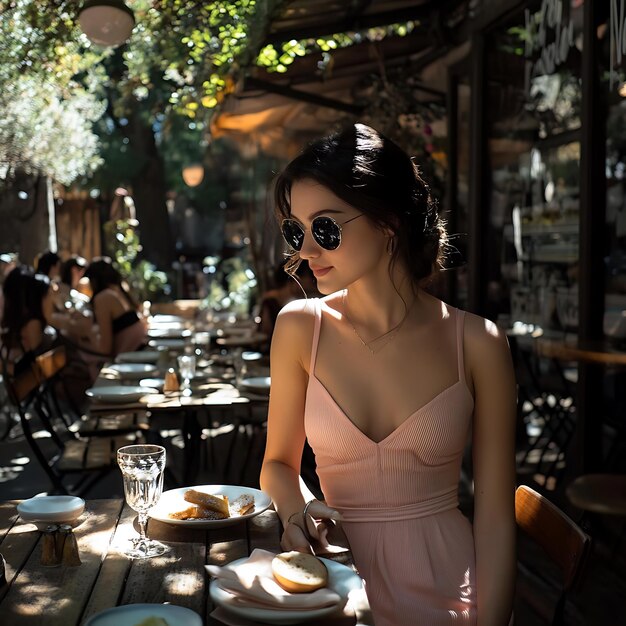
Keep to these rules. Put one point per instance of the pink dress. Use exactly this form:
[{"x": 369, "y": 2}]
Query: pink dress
[{"x": 398, "y": 497}]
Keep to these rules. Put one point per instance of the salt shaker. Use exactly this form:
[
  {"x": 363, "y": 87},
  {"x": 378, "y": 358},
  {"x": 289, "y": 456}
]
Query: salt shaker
[
  {"x": 69, "y": 555},
  {"x": 49, "y": 555}
]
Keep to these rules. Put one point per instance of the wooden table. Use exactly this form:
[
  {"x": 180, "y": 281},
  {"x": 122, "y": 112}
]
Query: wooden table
[
  {"x": 204, "y": 398},
  {"x": 591, "y": 357},
  {"x": 68, "y": 596}
]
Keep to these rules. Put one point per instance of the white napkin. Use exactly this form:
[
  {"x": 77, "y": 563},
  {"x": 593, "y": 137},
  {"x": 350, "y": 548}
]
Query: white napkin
[{"x": 252, "y": 584}]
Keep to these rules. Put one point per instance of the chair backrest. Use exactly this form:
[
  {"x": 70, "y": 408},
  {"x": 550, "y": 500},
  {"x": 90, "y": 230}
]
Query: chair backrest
[{"x": 559, "y": 536}]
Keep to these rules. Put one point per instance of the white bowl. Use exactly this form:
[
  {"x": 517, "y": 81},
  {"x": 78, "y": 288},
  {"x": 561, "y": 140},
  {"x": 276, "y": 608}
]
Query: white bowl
[{"x": 51, "y": 509}]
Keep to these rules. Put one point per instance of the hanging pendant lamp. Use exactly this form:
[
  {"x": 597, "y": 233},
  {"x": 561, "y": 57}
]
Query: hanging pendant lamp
[{"x": 106, "y": 23}]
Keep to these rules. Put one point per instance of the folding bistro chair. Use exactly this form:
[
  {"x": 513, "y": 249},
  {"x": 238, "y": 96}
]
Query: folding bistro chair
[
  {"x": 86, "y": 458},
  {"x": 566, "y": 545}
]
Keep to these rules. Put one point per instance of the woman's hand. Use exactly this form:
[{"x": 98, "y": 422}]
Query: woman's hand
[{"x": 310, "y": 526}]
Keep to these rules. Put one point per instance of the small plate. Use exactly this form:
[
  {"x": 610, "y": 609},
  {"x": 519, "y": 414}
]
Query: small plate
[
  {"x": 154, "y": 383},
  {"x": 119, "y": 393},
  {"x": 171, "y": 344},
  {"x": 341, "y": 579},
  {"x": 133, "y": 614},
  {"x": 134, "y": 370},
  {"x": 51, "y": 509},
  {"x": 257, "y": 384},
  {"x": 162, "y": 318},
  {"x": 173, "y": 500},
  {"x": 168, "y": 333},
  {"x": 241, "y": 340},
  {"x": 143, "y": 356}
]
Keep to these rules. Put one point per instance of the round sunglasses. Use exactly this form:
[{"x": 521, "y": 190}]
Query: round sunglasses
[{"x": 325, "y": 230}]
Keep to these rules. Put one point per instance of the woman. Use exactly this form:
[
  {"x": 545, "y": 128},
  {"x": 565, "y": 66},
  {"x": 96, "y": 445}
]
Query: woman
[
  {"x": 387, "y": 382},
  {"x": 120, "y": 328},
  {"x": 49, "y": 264},
  {"x": 27, "y": 311}
]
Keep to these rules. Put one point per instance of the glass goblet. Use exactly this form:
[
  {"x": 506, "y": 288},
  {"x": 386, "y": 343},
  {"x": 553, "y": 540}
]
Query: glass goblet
[
  {"x": 142, "y": 470},
  {"x": 187, "y": 370}
]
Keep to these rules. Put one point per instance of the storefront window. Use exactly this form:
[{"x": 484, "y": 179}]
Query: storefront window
[
  {"x": 613, "y": 81},
  {"x": 533, "y": 107}
]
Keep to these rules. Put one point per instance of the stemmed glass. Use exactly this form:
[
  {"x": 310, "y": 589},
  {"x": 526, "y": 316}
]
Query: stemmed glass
[
  {"x": 187, "y": 369},
  {"x": 142, "y": 469}
]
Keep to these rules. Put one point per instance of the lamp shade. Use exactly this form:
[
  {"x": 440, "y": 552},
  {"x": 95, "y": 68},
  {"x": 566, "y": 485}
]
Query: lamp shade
[
  {"x": 193, "y": 174},
  {"x": 106, "y": 22}
]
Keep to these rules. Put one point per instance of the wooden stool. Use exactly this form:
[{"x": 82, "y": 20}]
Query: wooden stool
[{"x": 599, "y": 493}]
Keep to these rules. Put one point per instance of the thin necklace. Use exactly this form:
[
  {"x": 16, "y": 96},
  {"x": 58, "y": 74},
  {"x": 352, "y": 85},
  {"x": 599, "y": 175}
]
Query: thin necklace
[{"x": 388, "y": 335}]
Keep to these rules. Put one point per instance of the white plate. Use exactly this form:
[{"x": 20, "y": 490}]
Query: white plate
[
  {"x": 143, "y": 356},
  {"x": 154, "y": 383},
  {"x": 134, "y": 370},
  {"x": 258, "y": 384},
  {"x": 173, "y": 500},
  {"x": 133, "y": 614},
  {"x": 341, "y": 579},
  {"x": 162, "y": 318},
  {"x": 119, "y": 393},
  {"x": 51, "y": 509},
  {"x": 172, "y": 344},
  {"x": 241, "y": 340},
  {"x": 168, "y": 333}
]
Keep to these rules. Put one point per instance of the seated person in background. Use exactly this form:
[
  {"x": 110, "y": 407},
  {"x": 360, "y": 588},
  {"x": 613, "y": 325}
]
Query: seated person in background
[
  {"x": 25, "y": 317},
  {"x": 72, "y": 271},
  {"x": 119, "y": 326},
  {"x": 7, "y": 263},
  {"x": 49, "y": 264}
]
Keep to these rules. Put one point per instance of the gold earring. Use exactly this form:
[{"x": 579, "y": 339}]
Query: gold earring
[{"x": 391, "y": 246}]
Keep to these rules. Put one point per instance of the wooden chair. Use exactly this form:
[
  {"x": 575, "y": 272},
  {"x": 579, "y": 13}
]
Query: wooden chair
[
  {"x": 561, "y": 539},
  {"x": 87, "y": 458}
]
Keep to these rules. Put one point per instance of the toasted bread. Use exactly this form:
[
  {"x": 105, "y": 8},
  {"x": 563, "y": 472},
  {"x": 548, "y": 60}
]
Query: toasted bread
[
  {"x": 298, "y": 572},
  {"x": 242, "y": 505},
  {"x": 196, "y": 512},
  {"x": 217, "y": 503}
]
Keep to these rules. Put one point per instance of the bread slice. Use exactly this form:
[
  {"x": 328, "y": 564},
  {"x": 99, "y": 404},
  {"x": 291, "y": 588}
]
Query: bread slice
[
  {"x": 243, "y": 504},
  {"x": 207, "y": 501},
  {"x": 196, "y": 512},
  {"x": 298, "y": 572}
]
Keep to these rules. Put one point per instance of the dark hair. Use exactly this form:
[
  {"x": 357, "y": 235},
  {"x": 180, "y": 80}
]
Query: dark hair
[
  {"x": 24, "y": 292},
  {"x": 102, "y": 274},
  {"x": 69, "y": 265},
  {"x": 46, "y": 261},
  {"x": 370, "y": 172}
]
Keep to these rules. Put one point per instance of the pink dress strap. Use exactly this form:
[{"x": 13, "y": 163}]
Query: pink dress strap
[
  {"x": 317, "y": 308},
  {"x": 460, "y": 326}
]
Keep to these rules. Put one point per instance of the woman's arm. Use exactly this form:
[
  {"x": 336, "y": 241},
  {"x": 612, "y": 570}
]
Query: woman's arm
[
  {"x": 32, "y": 335},
  {"x": 101, "y": 339},
  {"x": 280, "y": 474},
  {"x": 489, "y": 362}
]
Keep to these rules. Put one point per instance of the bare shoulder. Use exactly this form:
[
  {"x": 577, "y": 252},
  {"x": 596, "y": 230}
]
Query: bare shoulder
[
  {"x": 486, "y": 347},
  {"x": 484, "y": 334},
  {"x": 293, "y": 333}
]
